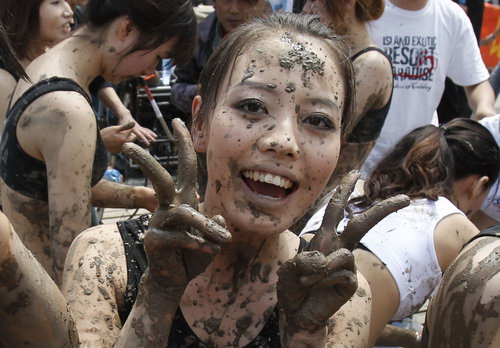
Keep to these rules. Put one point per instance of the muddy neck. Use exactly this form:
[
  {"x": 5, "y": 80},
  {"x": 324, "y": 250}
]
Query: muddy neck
[
  {"x": 357, "y": 35},
  {"x": 81, "y": 56},
  {"x": 239, "y": 256},
  {"x": 246, "y": 244}
]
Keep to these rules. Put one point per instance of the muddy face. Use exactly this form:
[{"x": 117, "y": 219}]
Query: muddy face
[
  {"x": 142, "y": 62},
  {"x": 273, "y": 140}
]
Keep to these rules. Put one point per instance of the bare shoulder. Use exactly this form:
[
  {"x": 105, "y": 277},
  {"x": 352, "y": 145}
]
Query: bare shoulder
[
  {"x": 56, "y": 108},
  {"x": 94, "y": 282},
  {"x": 450, "y": 235},
  {"x": 374, "y": 80},
  {"x": 374, "y": 62},
  {"x": 470, "y": 293}
]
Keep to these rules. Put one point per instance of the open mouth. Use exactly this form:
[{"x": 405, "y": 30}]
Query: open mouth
[{"x": 273, "y": 186}]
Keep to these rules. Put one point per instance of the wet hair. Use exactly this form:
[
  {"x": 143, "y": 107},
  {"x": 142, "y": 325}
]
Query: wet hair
[
  {"x": 21, "y": 20},
  {"x": 258, "y": 30},
  {"x": 158, "y": 21},
  {"x": 366, "y": 10},
  {"x": 8, "y": 56},
  {"x": 426, "y": 162}
]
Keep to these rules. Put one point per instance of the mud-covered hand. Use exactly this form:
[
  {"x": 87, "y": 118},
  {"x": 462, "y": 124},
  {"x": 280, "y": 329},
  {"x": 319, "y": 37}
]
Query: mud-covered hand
[
  {"x": 115, "y": 136},
  {"x": 314, "y": 284},
  {"x": 180, "y": 240}
]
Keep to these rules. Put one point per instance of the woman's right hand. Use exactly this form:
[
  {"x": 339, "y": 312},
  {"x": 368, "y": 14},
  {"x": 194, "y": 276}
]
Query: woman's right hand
[{"x": 180, "y": 241}]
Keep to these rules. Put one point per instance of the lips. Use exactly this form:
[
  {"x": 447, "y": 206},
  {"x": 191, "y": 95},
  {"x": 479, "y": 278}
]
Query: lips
[
  {"x": 270, "y": 185},
  {"x": 67, "y": 28}
]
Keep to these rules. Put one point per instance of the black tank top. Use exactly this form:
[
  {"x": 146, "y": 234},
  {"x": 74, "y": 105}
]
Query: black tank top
[
  {"x": 25, "y": 174},
  {"x": 370, "y": 125},
  {"x": 181, "y": 335}
]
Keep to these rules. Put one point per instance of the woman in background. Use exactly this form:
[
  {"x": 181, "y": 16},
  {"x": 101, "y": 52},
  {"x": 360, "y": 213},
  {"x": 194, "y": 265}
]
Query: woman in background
[{"x": 53, "y": 156}]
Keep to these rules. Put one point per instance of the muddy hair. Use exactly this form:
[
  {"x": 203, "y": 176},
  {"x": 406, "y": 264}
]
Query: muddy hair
[
  {"x": 426, "y": 162},
  {"x": 9, "y": 58},
  {"x": 158, "y": 21},
  {"x": 21, "y": 21},
  {"x": 257, "y": 30},
  {"x": 366, "y": 10}
]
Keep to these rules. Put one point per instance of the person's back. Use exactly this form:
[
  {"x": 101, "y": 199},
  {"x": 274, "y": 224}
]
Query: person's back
[
  {"x": 427, "y": 40},
  {"x": 464, "y": 310}
]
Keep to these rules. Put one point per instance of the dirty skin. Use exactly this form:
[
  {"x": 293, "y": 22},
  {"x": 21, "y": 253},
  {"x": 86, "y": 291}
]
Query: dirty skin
[
  {"x": 300, "y": 56},
  {"x": 470, "y": 277}
]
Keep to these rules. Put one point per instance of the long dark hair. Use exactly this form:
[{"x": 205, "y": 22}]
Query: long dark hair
[
  {"x": 426, "y": 162},
  {"x": 158, "y": 21},
  {"x": 21, "y": 20},
  {"x": 8, "y": 56},
  {"x": 258, "y": 29}
]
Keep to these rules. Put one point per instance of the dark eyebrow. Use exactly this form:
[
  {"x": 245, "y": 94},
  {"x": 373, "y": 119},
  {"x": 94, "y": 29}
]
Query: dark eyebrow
[
  {"x": 326, "y": 102},
  {"x": 256, "y": 85},
  {"x": 271, "y": 88}
]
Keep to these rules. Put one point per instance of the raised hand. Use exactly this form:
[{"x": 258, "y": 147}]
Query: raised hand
[
  {"x": 317, "y": 282},
  {"x": 179, "y": 238}
]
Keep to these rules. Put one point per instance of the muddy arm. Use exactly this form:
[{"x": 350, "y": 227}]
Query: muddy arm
[
  {"x": 33, "y": 310},
  {"x": 316, "y": 283},
  {"x": 177, "y": 243},
  {"x": 394, "y": 336},
  {"x": 107, "y": 194}
]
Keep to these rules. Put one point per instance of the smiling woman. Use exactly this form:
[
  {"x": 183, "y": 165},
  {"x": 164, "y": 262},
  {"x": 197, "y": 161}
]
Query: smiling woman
[
  {"x": 270, "y": 123},
  {"x": 53, "y": 156}
]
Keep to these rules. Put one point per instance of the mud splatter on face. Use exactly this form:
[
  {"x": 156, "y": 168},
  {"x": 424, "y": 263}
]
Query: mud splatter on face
[
  {"x": 290, "y": 87},
  {"x": 298, "y": 55},
  {"x": 272, "y": 85},
  {"x": 248, "y": 74}
]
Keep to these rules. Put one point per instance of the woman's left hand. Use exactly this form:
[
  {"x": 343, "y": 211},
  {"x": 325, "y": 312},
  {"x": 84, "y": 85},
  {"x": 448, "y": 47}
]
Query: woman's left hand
[{"x": 314, "y": 284}]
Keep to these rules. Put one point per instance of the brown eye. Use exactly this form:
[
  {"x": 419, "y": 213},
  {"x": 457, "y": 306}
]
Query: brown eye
[
  {"x": 252, "y": 105},
  {"x": 319, "y": 121}
]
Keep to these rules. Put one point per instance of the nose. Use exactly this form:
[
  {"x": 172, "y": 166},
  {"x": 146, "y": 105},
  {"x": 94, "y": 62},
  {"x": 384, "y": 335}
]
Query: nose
[
  {"x": 67, "y": 11},
  {"x": 281, "y": 140},
  {"x": 234, "y": 7}
]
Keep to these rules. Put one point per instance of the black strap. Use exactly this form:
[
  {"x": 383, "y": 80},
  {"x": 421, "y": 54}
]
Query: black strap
[
  {"x": 52, "y": 84},
  {"x": 492, "y": 231},
  {"x": 367, "y": 49},
  {"x": 132, "y": 232}
]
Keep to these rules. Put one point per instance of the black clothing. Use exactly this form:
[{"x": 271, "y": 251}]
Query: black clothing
[
  {"x": 132, "y": 232},
  {"x": 298, "y": 5},
  {"x": 370, "y": 125},
  {"x": 181, "y": 335},
  {"x": 184, "y": 89},
  {"x": 28, "y": 175},
  {"x": 454, "y": 101}
]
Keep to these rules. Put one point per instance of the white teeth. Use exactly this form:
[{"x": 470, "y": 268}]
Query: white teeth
[{"x": 268, "y": 178}]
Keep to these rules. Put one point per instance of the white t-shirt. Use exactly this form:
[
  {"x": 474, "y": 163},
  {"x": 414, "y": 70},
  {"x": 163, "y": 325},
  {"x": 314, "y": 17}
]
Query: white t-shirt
[
  {"x": 491, "y": 205},
  {"x": 425, "y": 46}
]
